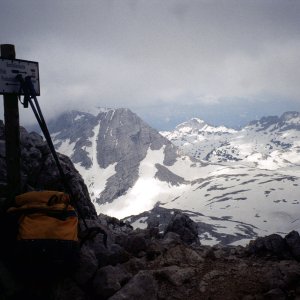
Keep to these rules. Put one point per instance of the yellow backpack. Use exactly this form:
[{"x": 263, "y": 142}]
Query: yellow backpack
[
  {"x": 47, "y": 234},
  {"x": 45, "y": 215}
]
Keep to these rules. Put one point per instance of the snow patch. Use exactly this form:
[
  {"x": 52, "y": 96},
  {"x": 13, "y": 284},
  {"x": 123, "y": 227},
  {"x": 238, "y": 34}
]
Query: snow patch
[
  {"x": 78, "y": 117},
  {"x": 66, "y": 148},
  {"x": 146, "y": 192},
  {"x": 95, "y": 177},
  {"x": 140, "y": 223}
]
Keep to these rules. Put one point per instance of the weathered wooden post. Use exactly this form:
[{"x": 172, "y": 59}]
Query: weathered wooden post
[
  {"x": 13, "y": 74},
  {"x": 12, "y": 133}
]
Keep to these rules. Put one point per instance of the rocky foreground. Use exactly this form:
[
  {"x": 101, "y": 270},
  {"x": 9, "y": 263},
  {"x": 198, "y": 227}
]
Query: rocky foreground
[
  {"x": 146, "y": 264},
  {"x": 143, "y": 264}
]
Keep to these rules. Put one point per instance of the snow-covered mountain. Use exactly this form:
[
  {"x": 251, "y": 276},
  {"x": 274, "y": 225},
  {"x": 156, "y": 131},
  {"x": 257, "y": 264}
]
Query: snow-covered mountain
[
  {"x": 131, "y": 168},
  {"x": 108, "y": 149},
  {"x": 271, "y": 143}
]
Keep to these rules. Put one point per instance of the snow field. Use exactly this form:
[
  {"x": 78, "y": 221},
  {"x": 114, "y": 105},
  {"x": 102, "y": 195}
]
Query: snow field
[{"x": 146, "y": 192}]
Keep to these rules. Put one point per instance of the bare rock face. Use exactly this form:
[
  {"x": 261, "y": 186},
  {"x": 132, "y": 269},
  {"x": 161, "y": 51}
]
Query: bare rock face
[
  {"x": 133, "y": 138},
  {"x": 293, "y": 242},
  {"x": 115, "y": 137},
  {"x": 142, "y": 285},
  {"x": 276, "y": 246},
  {"x": 109, "y": 280},
  {"x": 39, "y": 171}
]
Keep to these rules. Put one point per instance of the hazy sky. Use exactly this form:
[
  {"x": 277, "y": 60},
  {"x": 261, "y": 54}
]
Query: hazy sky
[{"x": 168, "y": 60}]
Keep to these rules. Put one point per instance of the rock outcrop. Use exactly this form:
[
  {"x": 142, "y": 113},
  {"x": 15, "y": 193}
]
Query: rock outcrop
[{"x": 39, "y": 171}]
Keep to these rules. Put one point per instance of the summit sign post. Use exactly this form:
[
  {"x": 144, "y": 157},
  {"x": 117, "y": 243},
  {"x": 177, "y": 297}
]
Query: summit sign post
[
  {"x": 10, "y": 68},
  {"x": 12, "y": 135}
]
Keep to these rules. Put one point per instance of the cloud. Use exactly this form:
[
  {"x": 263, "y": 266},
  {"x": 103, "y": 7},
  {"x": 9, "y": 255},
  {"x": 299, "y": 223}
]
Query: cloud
[{"x": 139, "y": 53}]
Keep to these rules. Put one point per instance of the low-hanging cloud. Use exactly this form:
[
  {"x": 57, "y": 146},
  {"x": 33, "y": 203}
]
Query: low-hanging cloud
[{"x": 138, "y": 53}]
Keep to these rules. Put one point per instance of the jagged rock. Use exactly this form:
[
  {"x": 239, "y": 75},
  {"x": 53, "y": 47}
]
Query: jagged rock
[
  {"x": 116, "y": 255},
  {"x": 115, "y": 224},
  {"x": 180, "y": 255},
  {"x": 154, "y": 249},
  {"x": 175, "y": 275},
  {"x": 109, "y": 280},
  {"x": 133, "y": 243},
  {"x": 185, "y": 227},
  {"x": 88, "y": 265},
  {"x": 81, "y": 156},
  {"x": 293, "y": 242},
  {"x": 112, "y": 253},
  {"x": 274, "y": 279},
  {"x": 273, "y": 245},
  {"x": 290, "y": 272},
  {"x": 141, "y": 286},
  {"x": 134, "y": 265},
  {"x": 171, "y": 239}
]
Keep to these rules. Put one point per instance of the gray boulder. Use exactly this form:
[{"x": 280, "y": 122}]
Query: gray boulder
[
  {"x": 293, "y": 242},
  {"x": 88, "y": 265},
  {"x": 272, "y": 245},
  {"x": 141, "y": 286},
  {"x": 184, "y": 227},
  {"x": 109, "y": 280}
]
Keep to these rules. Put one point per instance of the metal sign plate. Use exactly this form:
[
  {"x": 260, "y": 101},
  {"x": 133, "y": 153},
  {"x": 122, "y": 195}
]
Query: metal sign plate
[{"x": 10, "y": 68}]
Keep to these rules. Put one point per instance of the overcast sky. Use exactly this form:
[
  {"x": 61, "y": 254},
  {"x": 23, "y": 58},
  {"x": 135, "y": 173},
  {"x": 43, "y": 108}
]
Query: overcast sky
[{"x": 224, "y": 61}]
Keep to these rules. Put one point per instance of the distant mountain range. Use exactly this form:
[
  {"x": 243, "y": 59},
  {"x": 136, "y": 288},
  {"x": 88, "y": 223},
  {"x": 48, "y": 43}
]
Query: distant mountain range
[
  {"x": 269, "y": 143},
  {"x": 235, "y": 184}
]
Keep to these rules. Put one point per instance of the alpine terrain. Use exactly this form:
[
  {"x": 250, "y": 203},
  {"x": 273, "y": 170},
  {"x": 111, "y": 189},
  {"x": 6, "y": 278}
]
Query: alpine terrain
[
  {"x": 133, "y": 263},
  {"x": 236, "y": 184}
]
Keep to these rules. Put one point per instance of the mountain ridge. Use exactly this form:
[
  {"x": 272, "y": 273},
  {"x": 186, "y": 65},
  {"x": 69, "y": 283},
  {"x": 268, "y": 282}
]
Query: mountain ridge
[
  {"x": 240, "y": 190},
  {"x": 253, "y": 145},
  {"x": 124, "y": 137}
]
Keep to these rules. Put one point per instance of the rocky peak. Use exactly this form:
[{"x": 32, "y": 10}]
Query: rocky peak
[
  {"x": 194, "y": 124},
  {"x": 73, "y": 125},
  {"x": 288, "y": 120},
  {"x": 125, "y": 136},
  {"x": 124, "y": 139},
  {"x": 291, "y": 116},
  {"x": 264, "y": 122},
  {"x": 198, "y": 126},
  {"x": 115, "y": 138}
]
